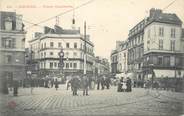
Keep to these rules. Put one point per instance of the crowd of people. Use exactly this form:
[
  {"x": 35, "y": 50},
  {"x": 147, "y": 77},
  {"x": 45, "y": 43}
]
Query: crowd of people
[
  {"x": 124, "y": 85},
  {"x": 76, "y": 83}
]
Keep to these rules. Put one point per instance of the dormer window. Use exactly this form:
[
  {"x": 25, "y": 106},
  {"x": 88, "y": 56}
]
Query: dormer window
[{"x": 8, "y": 24}]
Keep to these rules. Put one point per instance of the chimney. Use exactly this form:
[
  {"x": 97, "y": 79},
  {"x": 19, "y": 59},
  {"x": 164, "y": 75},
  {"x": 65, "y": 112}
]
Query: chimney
[{"x": 154, "y": 12}]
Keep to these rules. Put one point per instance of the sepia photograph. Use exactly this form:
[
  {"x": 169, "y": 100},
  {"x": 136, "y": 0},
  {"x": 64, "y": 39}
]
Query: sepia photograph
[{"x": 91, "y": 57}]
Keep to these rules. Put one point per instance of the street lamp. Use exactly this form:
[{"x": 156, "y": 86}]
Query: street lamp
[{"x": 61, "y": 64}]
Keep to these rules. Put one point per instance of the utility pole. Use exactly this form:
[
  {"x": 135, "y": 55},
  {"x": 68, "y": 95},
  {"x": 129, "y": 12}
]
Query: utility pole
[{"x": 85, "y": 56}]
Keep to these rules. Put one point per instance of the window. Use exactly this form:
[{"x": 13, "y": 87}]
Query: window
[
  {"x": 160, "y": 60},
  {"x": 51, "y": 44},
  {"x": 155, "y": 60},
  {"x": 172, "y": 45},
  {"x": 59, "y": 44},
  {"x": 44, "y": 45},
  {"x": 75, "y": 65},
  {"x": 44, "y": 64},
  {"x": 167, "y": 61},
  {"x": 44, "y": 54},
  {"x": 51, "y": 53},
  {"x": 173, "y": 31},
  {"x": 75, "y": 54},
  {"x": 51, "y": 64},
  {"x": 172, "y": 61},
  {"x": 55, "y": 64},
  {"x": 67, "y": 65},
  {"x": 139, "y": 66},
  {"x": 160, "y": 44},
  {"x": 75, "y": 45},
  {"x": 67, "y": 54},
  {"x": 41, "y": 55},
  {"x": 70, "y": 65},
  {"x": 161, "y": 31},
  {"x": 8, "y": 42},
  {"x": 8, "y": 59},
  {"x": 67, "y": 45}
]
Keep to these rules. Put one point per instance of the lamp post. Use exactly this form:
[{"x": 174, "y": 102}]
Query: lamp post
[
  {"x": 85, "y": 56},
  {"x": 61, "y": 55}
]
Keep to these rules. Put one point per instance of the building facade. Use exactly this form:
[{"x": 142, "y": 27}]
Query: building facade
[
  {"x": 163, "y": 46},
  {"x": 119, "y": 59},
  {"x": 12, "y": 46},
  {"x": 135, "y": 52},
  {"x": 47, "y": 45},
  {"x": 101, "y": 66}
]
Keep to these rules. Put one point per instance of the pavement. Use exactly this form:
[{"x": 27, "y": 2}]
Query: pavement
[{"x": 49, "y": 102}]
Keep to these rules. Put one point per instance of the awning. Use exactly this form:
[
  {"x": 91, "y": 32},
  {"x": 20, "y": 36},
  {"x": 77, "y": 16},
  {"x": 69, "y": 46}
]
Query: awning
[{"x": 164, "y": 73}]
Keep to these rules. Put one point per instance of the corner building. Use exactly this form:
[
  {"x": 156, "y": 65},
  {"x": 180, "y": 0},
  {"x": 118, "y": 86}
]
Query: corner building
[{"x": 47, "y": 45}]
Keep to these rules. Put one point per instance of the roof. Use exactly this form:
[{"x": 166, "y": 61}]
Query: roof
[
  {"x": 59, "y": 30},
  {"x": 157, "y": 15}
]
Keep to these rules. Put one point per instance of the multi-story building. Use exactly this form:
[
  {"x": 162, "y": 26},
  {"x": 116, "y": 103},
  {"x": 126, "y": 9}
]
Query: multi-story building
[
  {"x": 119, "y": 58},
  {"x": 122, "y": 65},
  {"x": 46, "y": 46},
  {"x": 12, "y": 46},
  {"x": 135, "y": 52},
  {"x": 163, "y": 45},
  {"x": 101, "y": 66}
]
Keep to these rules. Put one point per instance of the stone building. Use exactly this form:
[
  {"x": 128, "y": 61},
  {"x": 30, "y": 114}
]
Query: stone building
[
  {"x": 163, "y": 46},
  {"x": 46, "y": 46},
  {"x": 12, "y": 46}
]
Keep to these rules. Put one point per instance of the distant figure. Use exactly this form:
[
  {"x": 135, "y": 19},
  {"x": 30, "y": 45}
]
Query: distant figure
[
  {"x": 15, "y": 87},
  {"x": 107, "y": 82},
  {"x": 129, "y": 85},
  {"x": 124, "y": 86},
  {"x": 120, "y": 84},
  {"x": 98, "y": 82},
  {"x": 85, "y": 85},
  {"x": 52, "y": 82},
  {"x": 102, "y": 82},
  {"x": 32, "y": 84},
  {"x": 46, "y": 83},
  {"x": 56, "y": 84}
]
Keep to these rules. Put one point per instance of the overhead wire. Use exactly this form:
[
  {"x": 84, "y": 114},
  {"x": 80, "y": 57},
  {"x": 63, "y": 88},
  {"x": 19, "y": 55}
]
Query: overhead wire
[{"x": 62, "y": 13}]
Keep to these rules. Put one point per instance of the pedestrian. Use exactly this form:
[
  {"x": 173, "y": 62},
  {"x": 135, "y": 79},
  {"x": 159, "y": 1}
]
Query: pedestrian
[
  {"x": 129, "y": 84},
  {"x": 124, "y": 86},
  {"x": 85, "y": 85},
  {"x": 32, "y": 84},
  {"x": 52, "y": 82},
  {"x": 98, "y": 82},
  {"x": 74, "y": 85},
  {"x": 107, "y": 82},
  {"x": 102, "y": 82},
  {"x": 15, "y": 87},
  {"x": 56, "y": 84}
]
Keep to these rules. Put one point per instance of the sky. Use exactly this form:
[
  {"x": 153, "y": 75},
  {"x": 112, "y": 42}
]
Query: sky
[{"x": 107, "y": 21}]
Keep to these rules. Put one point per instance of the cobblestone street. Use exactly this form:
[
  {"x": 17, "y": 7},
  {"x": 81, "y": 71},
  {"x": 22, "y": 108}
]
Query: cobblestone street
[{"x": 49, "y": 102}]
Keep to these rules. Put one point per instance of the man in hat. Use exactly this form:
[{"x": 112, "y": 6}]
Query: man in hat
[
  {"x": 75, "y": 85},
  {"x": 85, "y": 84}
]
